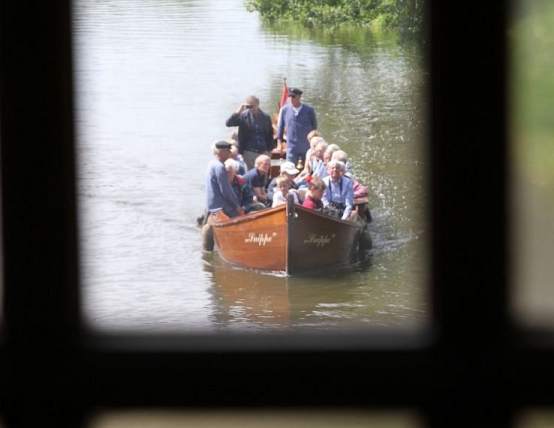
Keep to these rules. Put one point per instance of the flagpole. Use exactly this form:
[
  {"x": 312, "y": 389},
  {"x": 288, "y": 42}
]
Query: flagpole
[{"x": 279, "y": 106}]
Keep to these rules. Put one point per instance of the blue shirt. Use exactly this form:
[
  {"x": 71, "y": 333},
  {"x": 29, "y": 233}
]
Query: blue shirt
[
  {"x": 220, "y": 195},
  {"x": 243, "y": 192},
  {"x": 242, "y": 165},
  {"x": 297, "y": 127},
  {"x": 256, "y": 179},
  {"x": 341, "y": 192},
  {"x": 319, "y": 169}
]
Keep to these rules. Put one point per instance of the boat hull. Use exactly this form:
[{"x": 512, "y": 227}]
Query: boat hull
[
  {"x": 257, "y": 240},
  {"x": 290, "y": 239},
  {"x": 317, "y": 241}
]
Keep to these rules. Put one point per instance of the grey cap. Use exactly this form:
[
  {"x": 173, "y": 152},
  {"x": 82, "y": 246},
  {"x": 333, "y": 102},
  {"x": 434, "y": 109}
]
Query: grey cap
[
  {"x": 295, "y": 91},
  {"x": 222, "y": 144}
]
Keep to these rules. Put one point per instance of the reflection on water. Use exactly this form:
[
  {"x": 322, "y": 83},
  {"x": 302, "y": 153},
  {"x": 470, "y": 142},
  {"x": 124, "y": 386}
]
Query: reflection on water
[
  {"x": 249, "y": 300},
  {"x": 155, "y": 82},
  {"x": 245, "y": 298}
]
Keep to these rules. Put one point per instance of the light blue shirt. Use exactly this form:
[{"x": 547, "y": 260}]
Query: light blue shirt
[
  {"x": 319, "y": 169},
  {"x": 341, "y": 192}
]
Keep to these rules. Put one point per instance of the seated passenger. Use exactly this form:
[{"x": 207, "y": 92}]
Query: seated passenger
[
  {"x": 332, "y": 148},
  {"x": 318, "y": 166},
  {"x": 258, "y": 178},
  {"x": 241, "y": 187},
  {"x": 313, "y": 138},
  {"x": 310, "y": 157},
  {"x": 287, "y": 169},
  {"x": 360, "y": 191},
  {"x": 339, "y": 193},
  {"x": 313, "y": 133},
  {"x": 341, "y": 155},
  {"x": 316, "y": 187},
  {"x": 220, "y": 195},
  {"x": 238, "y": 157},
  {"x": 283, "y": 192}
]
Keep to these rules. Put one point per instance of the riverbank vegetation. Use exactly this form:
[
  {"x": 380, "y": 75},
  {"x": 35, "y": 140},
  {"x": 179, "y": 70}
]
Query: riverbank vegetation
[
  {"x": 405, "y": 16},
  {"x": 532, "y": 90}
]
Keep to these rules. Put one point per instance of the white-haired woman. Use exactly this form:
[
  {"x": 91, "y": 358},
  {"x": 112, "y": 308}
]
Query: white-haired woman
[
  {"x": 331, "y": 148},
  {"x": 341, "y": 155},
  {"x": 313, "y": 140},
  {"x": 238, "y": 157},
  {"x": 241, "y": 187},
  {"x": 339, "y": 193},
  {"x": 317, "y": 164}
]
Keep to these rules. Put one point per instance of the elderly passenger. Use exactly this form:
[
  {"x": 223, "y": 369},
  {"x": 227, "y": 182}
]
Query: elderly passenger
[
  {"x": 310, "y": 153},
  {"x": 339, "y": 193},
  {"x": 341, "y": 155},
  {"x": 318, "y": 167},
  {"x": 220, "y": 195},
  {"x": 332, "y": 148},
  {"x": 312, "y": 134},
  {"x": 255, "y": 135},
  {"x": 235, "y": 155},
  {"x": 241, "y": 187},
  {"x": 258, "y": 178}
]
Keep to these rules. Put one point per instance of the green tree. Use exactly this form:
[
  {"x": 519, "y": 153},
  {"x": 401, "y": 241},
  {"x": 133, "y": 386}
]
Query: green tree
[{"x": 399, "y": 15}]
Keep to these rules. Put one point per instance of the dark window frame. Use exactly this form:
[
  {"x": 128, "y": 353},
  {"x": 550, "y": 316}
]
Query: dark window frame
[{"x": 472, "y": 367}]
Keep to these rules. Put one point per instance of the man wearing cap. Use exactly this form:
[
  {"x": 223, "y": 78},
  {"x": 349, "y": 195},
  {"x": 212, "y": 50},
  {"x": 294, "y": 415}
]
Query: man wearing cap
[
  {"x": 255, "y": 134},
  {"x": 288, "y": 170},
  {"x": 297, "y": 120},
  {"x": 220, "y": 194}
]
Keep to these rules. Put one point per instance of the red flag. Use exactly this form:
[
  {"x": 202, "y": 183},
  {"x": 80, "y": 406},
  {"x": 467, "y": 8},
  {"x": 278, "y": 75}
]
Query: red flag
[{"x": 284, "y": 95}]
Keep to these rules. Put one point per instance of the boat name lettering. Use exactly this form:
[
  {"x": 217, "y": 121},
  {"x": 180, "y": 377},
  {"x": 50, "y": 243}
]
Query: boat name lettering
[
  {"x": 262, "y": 239},
  {"x": 319, "y": 240}
]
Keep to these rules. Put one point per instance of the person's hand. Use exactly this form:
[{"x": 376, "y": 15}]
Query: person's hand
[
  {"x": 241, "y": 211},
  {"x": 241, "y": 108}
]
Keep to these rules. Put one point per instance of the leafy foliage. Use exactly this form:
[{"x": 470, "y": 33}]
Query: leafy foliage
[
  {"x": 532, "y": 90},
  {"x": 402, "y": 15}
]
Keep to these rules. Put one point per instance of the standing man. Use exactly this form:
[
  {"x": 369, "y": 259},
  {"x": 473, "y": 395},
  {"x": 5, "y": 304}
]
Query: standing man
[
  {"x": 255, "y": 135},
  {"x": 298, "y": 120},
  {"x": 220, "y": 194}
]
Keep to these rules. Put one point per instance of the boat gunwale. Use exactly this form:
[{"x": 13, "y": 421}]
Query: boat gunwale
[
  {"x": 327, "y": 217},
  {"x": 248, "y": 217},
  {"x": 261, "y": 213}
]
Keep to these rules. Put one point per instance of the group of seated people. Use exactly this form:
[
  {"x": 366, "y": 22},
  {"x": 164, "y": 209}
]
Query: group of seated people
[{"x": 325, "y": 182}]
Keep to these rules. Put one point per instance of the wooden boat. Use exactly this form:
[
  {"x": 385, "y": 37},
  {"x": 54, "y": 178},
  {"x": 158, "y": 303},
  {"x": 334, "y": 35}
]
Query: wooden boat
[{"x": 288, "y": 238}]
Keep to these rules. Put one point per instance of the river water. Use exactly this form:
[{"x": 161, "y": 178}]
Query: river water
[{"x": 155, "y": 82}]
